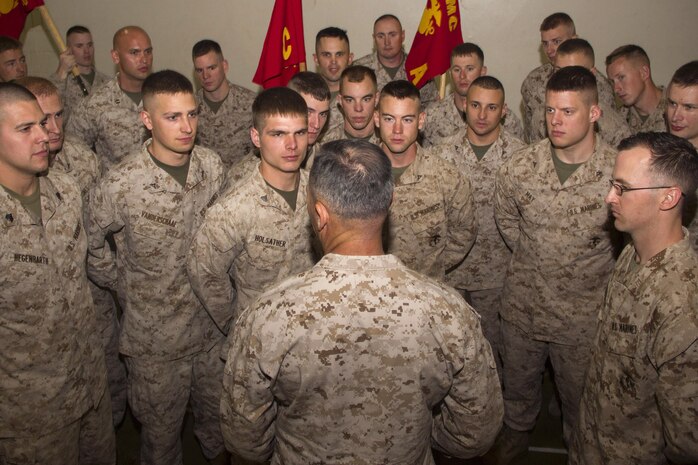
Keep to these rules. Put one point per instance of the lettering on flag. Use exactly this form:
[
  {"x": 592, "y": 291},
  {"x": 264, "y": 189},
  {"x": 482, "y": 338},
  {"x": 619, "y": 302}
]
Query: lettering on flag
[
  {"x": 286, "y": 47},
  {"x": 418, "y": 73},
  {"x": 429, "y": 17}
]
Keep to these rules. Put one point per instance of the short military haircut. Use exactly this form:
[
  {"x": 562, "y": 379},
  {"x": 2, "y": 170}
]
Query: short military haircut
[
  {"x": 333, "y": 32},
  {"x": 629, "y": 52},
  {"x": 467, "y": 49},
  {"x": 358, "y": 73},
  {"x": 38, "y": 86},
  {"x": 277, "y": 101},
  {"x": 387, "y": 16},
  {"x": 12, "y": 93},
  {"x": 686, "y": 75},
  {"x": 166, "y": 82},
  {"x": 205, "y": 46},
  {"x": 9, "y": 43},
  {"x": 400, "y": 90},
  {"x": 577, "y": 45},
  {"x": 673, "y": 159},
  {"x": 557, "y": 20},
  {"x": 353, "y": 178},
  {"x": 310, "y": 83},
  {"x": 574, "y": 79},
  {"x": 77, "y": 29},
  {"x": 487, "y": 82}
]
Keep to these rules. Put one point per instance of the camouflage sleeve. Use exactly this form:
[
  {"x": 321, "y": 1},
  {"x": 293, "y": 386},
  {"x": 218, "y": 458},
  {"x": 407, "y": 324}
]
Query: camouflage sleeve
[
  {"x": 506, "y": 213},
  {"x": 213, "y": 250},
  {"x": 248, "y": 408},
  {"x": 80, "y": 124},
  {"x": 512, "y": 123},
  {"x": 462, "y": 221},
  {"x": 102, "y": 220},
  {"x": 471, "y": 414},
  {"x": 527, "y": 110},
  {"x": 429, "y": 93}
]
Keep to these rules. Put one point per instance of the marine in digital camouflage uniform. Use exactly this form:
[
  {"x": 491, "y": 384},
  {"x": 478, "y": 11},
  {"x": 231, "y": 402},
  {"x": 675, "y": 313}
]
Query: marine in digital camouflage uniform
[
  {"x": 432, "y": 223},
  {"x": 481, "y": 274},
  {"x": 70, "y": 156},
  {"x": 170, "y": 344},
  {"x": 224, "y": 108},
  {"x": 79, "y": 53},
  {"x": 549, "y": 208},
  {"x": 315, "y": 373},
  {"x": 52, "y": 372},
  {"x": 447, "y": 116},
  {"x": 639, "y": 401},
  {"x": 253, "y": 237},
  {"x": 108, "y": 120},
  {"x": 644, "y": 103},
  {"x": 554, "y": 30},
  {"x": 388, "y": 59}
]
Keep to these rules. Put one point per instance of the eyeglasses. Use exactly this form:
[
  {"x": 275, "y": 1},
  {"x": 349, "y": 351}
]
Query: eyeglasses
[{"x": 620, "y": 189}]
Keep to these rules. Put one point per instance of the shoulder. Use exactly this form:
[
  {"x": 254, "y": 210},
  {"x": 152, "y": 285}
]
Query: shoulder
[
  {"x": 511, "y": 143},
  {"x": 63, "y": 183},
  {"x": 366, "y": 60},
  {"x": 208, "y": 157},
  {"x": 536, "y": 77}
]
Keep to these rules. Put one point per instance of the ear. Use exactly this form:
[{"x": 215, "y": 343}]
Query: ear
[
  {"x": 254, "y": 135},
  {"x": 645, "y": 72},
  {"x": 595, "y": 113},
  {"x": 483, "y": 71},
  {"x": 225, "y": 66},
  {"x": 376, "y": 118},
  {"x": 351, "y": 58},
  {"x": 322, "y": 215},
  {"x": 505, "y": 110},
  {"x": 315, "y": 59},
  {"x": 422, "y": 119},
  {"x": 115, "y": 57},
  {"x": 670, "y": 199},
  {"x": 147, "y": 121}
]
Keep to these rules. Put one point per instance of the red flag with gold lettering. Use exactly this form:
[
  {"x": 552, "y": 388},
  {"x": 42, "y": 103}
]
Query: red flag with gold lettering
[
  {"x": 283, "y": 53},
  {"x": 13, "y": 13},
  {"x": 439, "y": 31}
]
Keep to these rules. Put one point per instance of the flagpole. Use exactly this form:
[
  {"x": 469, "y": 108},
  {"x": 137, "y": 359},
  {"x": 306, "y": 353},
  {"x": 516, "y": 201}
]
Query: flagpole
[
  {"x": 54, "y": 34},
  {"x": 442, "y": 86}
]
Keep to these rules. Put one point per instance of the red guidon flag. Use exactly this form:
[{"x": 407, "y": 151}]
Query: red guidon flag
[
  {"x": 283, "y": 53},
  {"x": 439, "y": 31},
  {"x": 13, "y": 13}
]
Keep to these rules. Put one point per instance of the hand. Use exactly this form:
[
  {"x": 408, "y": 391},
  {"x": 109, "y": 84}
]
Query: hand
[{"x": 65, "y": 64}]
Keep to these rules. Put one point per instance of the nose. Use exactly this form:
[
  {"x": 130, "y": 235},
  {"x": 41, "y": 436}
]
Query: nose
[
  {"x": 482, "y": 113},
  {"x": 358, "y": 106},
  {"x": 314, "y": 121},
  {"x": 675, "y": 114},
  {"x": 611, "y": 196},
  {"x": 186, "y": 126},
  {"x": 41, "y": 134},
  {"x": 52, "y": 125},
  {"x": 397, "y": 127},
  {"x": 291, "y": 142},
  {"x": 616, "y": 87}
]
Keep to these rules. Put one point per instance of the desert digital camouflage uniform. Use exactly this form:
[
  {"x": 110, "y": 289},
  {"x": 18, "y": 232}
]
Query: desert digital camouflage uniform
[
  {"x": 484, "y": 267},
  {"x": 249, "y": 240},
  {"x": 428, "y": 93},
  {"x": 563, "y": 255},
  {"x": 359, "y": 360},
  {"x": 335, "y": 119},
  {"x": 110, "y": 122},
  {"x": 227, "y": 132},
  {"x": 639, "y": 401},
  {"x": 52, "y": 371},
  {"x": 166, "y": 334},
  {"x": 71, "y": 93},
  {"x": 533, "y": 97},
  {"x": 339, "y": 133},
  {"x": 444, "y": 120},
  {"x": 654, "y": 122},
  {"x": 432, "y": 222},
  {"x": 78, "y": 161}
]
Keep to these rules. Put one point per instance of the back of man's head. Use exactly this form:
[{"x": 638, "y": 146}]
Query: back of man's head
[
  {"x": 556, "y": 20},
  {"x": 673, "y": 160},
  {"x": 578, "y": 46},
  {"x": 488, "y": 82},
  {"x": 11, "y": 93},
  {"x": 277, "y": 101},
  {"x": 204, "y": 47},
  {"x": 359, "y": 73},
  {"x": 630, "y": 52},
  {"x": 333, "y": 32},
  {"x": 400, "y": 89},
  {"x": 166, "y": 82},
  {"x": 468, "y": 49},
  {"x": 38, "y": 86},
  {"x": 309, "y": 83},
  {"x": 574, "y": 79},
  {"x": 9, "y": 43},
  {"x": 353, "y": 178},
  {"x": 686, "y": 75}
]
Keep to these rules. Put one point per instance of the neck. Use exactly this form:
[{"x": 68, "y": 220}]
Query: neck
[
  {"x": 219, "y": 94},
  {"x": 21, "y": 184},
  {"x": 167, "y": 157},
  {"x": 333, "y": 85},
  {"x": 460, "y": 101},
  {"x": 282, "y": 180},
  {"x": 129, "y": 85},
  {"x": 361, "y": 134},
  {"x": 393, "y": 62},
  {"x": 658, "y": 237},
  {"x": 85, "y": 69},
  {"x": 649, "y": 100},
  {"x": 579, "y": 152},
  {"x": 485, "y": 139},
  {"x": 398, "y": 160},
  {"x": 362, "y": 238}
]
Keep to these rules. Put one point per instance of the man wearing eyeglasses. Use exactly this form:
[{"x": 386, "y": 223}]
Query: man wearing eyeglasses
[
  {"x": 549, "y": 209},
  {"x": 639, "y": 400}
]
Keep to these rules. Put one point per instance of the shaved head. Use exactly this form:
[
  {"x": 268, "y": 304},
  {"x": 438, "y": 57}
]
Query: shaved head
[{"x": 125, "y": 32}]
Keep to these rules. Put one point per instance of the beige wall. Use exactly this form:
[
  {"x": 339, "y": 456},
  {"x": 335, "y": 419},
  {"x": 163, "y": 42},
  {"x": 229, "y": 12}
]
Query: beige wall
[{"x": 506, "y": 30}]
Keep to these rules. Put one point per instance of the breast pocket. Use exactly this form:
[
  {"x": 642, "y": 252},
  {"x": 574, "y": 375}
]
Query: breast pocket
[
  {"x": 428, "y": 225},
  {"x": 151, "y": 241}
]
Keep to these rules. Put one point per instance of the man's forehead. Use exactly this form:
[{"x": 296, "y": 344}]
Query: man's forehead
[
  {"x": 278, "y": 121},
  {"x": 315, "y": 104},
  {"x": 133, "y": 39},
  {"x": 77, "y": 37},
  {"x": 14, "y": 111},
  {"x": 12, "y": 54},
  {"x": 486, "y": 96},
  {"x": 562, "y": 31},
  {"x": 364, "y": 87},
  {"x": 387, "y": 25},
  {"x": 390, "y": 104},
  {"x": 688, "y": 93},
  {"x": 332, "y": 44},
  {"x": 52, "y": 102},
  {"x": 574, "y": 97},
  {"x": 210, "y": 57},
  {"x": 469, "y": 59}
]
